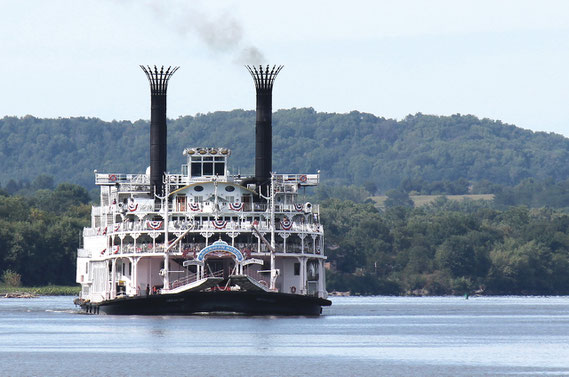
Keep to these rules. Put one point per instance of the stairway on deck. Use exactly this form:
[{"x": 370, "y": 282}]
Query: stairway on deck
[{"x": 245, "y": 282}]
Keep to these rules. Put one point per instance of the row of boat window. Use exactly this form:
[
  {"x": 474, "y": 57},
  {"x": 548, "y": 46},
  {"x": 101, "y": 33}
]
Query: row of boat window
[
  {"x": 209, "y": 166},
  {"x": 202, "y": 219}
]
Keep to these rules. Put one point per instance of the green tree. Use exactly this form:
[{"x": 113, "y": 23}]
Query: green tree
[
  {"x": 456, "y": 256},
  {"x": 397, "y": 198}
]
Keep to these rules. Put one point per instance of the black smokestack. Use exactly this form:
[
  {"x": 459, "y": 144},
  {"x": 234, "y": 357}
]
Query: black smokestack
[
  {"x": 264, "y": 79},
  {"x": 158, "y": 131}
]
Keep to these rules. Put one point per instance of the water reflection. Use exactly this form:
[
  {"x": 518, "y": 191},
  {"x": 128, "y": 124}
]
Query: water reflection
[{"x": 426, "y": 336}]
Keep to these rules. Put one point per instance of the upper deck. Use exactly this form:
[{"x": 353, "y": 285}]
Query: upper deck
[
  {"x": 203, "y": 165},
  {"x": 141, "y": 182}
]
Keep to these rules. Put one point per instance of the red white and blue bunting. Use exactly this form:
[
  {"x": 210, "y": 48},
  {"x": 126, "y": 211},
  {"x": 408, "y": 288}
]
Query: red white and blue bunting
[
  {"x": 154, "y": 224},
  {"x": 132, "y": 207},
  {"x": 299, "y": 207},
  {"x": 117, "y": 227},
  {"x": 194, "y": 207},
  {"x": 116, "y": 249},
  {"x": 246, "y": 252},
  {"x": 187, "y": 251},
  {"x": 236, "y": 206},
  {"x": 286, "y": 224},
  {"x": 219, "y": 223}
]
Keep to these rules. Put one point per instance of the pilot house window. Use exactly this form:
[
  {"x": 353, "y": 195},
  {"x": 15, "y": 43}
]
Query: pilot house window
[{"x": 207, "y": 166}]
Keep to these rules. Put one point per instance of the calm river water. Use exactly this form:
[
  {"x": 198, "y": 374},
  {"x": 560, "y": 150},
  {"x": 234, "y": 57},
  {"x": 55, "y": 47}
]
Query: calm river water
[{"x": 357, "y": 336}]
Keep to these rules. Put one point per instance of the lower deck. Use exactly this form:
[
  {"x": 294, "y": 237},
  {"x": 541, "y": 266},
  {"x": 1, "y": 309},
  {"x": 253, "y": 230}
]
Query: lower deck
[{"x": 144, "y": 275}]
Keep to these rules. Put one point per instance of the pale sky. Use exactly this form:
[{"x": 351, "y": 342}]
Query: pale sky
[{"x": 506, "y": 60}]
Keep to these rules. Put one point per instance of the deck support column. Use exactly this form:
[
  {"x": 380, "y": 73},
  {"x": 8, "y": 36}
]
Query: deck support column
[
  {"x": 137, "y": 288},
  {"x": 303, "y": 275},
  {"x": 321, "y": 277},
  {"x": 113, "y": 278}
]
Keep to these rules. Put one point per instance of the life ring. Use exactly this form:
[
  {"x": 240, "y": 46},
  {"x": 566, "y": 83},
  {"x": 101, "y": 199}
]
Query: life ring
[
  {"x": 112, "y": 177},
  {"x": 293, "y": 289},
  {"x": 303, "y": 178}
]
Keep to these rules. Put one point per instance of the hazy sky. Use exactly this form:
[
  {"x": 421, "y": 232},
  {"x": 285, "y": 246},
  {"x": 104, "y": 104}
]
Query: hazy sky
[{"x": 506, "y": 60}]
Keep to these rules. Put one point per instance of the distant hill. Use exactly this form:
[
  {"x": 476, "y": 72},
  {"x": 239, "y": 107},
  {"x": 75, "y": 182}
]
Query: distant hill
[{"x": 354, "y": 148}]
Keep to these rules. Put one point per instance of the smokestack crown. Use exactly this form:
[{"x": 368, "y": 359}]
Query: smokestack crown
[
  {"x": 158, "y": 78},
  {"x": 264, "y": 79}
]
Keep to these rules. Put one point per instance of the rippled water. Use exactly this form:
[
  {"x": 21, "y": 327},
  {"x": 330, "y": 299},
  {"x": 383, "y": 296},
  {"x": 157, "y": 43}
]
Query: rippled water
[{"x": 357, "y": 336}]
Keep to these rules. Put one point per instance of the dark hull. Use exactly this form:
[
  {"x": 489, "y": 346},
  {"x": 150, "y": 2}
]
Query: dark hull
[{"x": 250, "y": 303}]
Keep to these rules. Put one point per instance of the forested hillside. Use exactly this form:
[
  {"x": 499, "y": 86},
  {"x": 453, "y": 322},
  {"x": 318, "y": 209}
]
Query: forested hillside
[
  {"x": 446, "y": 248},
  {"x": 497, "y": 247},
  {"x": 347, "y": 148},
  {"x": 40, "y": 234}
]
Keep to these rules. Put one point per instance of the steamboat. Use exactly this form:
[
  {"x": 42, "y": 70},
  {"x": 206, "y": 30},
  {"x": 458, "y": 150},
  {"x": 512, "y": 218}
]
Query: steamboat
[{"x": 204, "y": 240}]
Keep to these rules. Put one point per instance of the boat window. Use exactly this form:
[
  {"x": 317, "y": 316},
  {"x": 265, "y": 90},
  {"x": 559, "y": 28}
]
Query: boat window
[
  {"x": 297, "y": 269},
  {"x": 219, "y": 168},
  {"x": 208, "y": 168},
  {"x": 196, "y": 169}
]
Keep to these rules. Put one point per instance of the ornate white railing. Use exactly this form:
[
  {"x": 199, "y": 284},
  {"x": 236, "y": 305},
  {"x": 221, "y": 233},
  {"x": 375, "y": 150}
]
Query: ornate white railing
[{"x": 242, "y": 227}]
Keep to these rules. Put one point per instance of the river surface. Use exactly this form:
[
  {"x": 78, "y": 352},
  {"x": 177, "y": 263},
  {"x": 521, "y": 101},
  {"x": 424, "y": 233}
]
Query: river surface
[{"x": 357, "y": 336}]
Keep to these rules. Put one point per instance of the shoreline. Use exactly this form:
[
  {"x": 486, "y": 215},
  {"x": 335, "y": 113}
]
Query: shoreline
[{"x": 33, "y": 292}]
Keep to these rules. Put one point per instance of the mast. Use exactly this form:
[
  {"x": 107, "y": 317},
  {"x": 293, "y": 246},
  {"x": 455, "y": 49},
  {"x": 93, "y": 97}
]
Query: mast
[
  {"x": 274, "y": 272},
  {"x": 166, "y": 221}
]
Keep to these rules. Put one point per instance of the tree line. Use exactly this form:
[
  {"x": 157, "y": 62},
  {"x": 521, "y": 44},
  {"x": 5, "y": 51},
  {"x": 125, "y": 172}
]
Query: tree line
[
  {"x": 445, "y": 247},
  {"x": 40, "y": 233},
  {"x": 423, "y": 153}
]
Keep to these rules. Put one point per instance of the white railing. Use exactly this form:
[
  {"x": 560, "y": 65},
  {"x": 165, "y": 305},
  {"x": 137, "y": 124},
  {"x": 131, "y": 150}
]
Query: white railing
[
  {"x": 82, "y": 253},
  {"x": 188, "y": 250},
  {"x": 301, "y": 179},
  {"x": 113, "y": 178},
  {"x": 182, "y": 179},
  {"x": 206, "y": 208},
  {"x": 240, "y": 227},
  {"x": 185, "y": 280},
  {"x": 192, "y": 277}
]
